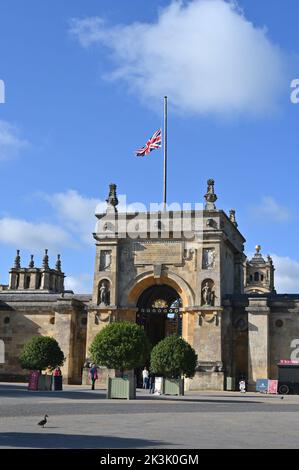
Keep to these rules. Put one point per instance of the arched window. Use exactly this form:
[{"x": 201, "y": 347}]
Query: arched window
[
  {"x": 262, "y": 277},
  {"x": 256, "y": 277}
]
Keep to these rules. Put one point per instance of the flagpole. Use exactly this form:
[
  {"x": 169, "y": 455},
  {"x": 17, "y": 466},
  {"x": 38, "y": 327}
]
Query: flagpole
[{"x": 165, "y": 154}]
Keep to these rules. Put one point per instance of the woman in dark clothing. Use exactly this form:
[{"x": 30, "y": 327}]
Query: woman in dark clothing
[
  {"x": 152, "y": 382},
  {"x": 93, "y": 374}
]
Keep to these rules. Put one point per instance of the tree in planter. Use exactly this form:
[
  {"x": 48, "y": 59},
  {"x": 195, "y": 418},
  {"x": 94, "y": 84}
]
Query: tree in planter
[
  {"x": 121, "y": 346},
  {"x": 173, "y": 357},
  {"x": 41, "y": 352}
]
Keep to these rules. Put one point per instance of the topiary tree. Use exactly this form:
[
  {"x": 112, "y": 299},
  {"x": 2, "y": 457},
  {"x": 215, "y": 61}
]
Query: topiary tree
[
  {"x": 41, "y": 352},
  {"x": 173, "y": 357},
  {"x": 121, "y": 345}
]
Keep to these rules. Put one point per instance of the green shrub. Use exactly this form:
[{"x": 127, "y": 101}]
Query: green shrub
[
  {"x": 121, "y": 345},
  {"x": 173, "y": 357},
  {"x": 41, "y": 352}
]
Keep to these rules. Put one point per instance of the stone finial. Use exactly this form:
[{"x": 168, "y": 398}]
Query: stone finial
[
  {"x": 112, "y": 200},
  {"x": 58, "y": 264},
  {"x": 46, "y": 260},
  {"x": 17, "y": 263},
  {"x": 232, "y": 217},
  {"x": 258, "y": 257},
  {"x": 210, "y": 196},
  {"x": 31, "y": 262}
]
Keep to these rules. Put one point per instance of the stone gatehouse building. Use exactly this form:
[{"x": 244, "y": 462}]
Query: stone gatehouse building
[{"x": 171, "y": 271}]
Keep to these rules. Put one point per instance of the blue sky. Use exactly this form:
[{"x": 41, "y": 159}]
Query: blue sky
[{"x": 84, "y": 84}]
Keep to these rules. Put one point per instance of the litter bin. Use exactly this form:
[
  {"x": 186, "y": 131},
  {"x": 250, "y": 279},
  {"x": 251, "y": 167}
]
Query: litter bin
[{"x": 57, "y": 382}]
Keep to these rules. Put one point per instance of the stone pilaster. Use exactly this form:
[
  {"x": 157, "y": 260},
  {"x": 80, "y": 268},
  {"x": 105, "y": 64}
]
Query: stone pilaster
[
  {"x": 228, "y": 354},
  {"x": 45, "y": 284},
  {"x": 64, "y": 334},
  {"x": 258, "y": 340},
  {"x": 107, "y": 273},
  {"x": 208, "y": 346}
]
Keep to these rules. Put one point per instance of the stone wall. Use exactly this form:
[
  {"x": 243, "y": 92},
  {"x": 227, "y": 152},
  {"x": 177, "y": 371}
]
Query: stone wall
[
  {"x": 25, "y": 316},
  {"x": 22, "y": 327}
]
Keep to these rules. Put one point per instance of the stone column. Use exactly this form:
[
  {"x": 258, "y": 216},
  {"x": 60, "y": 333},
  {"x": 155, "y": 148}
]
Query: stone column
[
  {"x": 64, "y": 332},
  {"x": 258, "y": 340},
  {"x": 239, "y": 273},
  {"x": 45, "y": 284},
  {"x": 208, "y": 346},
  {"x": 229, "y": 359},
  {"x": 188, "y": 318},
  {"x": 22, "y": 280}
]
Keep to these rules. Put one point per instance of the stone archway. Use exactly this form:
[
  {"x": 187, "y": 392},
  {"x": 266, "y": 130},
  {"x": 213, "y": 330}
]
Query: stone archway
[
  {"x": 147, "y": 279},
  {"x": 159, "y": 312}
]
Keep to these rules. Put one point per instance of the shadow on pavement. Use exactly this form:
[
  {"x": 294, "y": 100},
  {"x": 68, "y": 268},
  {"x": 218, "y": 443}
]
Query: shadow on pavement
[
  {"x": 19, "y": 392},
  {"x": 194, "y": 400},
  {"x": 22, "y": 392},
  {"x": 72, "y": 441}
]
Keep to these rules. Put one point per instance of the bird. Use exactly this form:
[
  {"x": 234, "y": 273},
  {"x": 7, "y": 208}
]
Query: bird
[{"x": 43, "y": 421}]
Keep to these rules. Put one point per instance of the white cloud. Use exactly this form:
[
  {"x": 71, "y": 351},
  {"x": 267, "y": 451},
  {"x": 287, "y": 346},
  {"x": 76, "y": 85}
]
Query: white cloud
[
  {"x": 32, "y": 236},
  {"x": 80, "y": 284},
  {"x": 76, "y": 212},
  {"x": 204, "y": 54},
  {"x": 10, "y": 142},
  {"x": 270, "y": 210},
  {"x": 286, "y": 274}
]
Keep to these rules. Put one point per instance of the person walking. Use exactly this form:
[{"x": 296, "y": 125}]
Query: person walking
[
  {"x": 93, "y": 374},
  {"x": 145, "y": 376},
  {"x": 242, "y": 386},
  {"x": 152, "y": 382},
  {"x": 57, "y": 376}
]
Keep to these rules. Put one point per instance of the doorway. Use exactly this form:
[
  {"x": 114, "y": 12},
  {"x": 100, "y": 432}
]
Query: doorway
[{"x": 159, "y": 314}]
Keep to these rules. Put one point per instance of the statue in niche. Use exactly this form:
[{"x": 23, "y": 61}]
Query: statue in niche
[
  {"x": 207, "y": 294},
  {"x": 208, "y": 258},
  {"x": 104, "y": 294}
]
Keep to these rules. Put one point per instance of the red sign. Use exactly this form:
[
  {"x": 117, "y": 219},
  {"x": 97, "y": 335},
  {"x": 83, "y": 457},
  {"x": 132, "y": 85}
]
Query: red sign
[
  {"x": 33, "y": 380},
  {"x": 272, "y": 386}
]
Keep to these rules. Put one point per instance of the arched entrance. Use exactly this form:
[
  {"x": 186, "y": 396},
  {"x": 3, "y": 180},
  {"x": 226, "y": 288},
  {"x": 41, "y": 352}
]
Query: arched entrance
[{"x": 159, "y": 312}]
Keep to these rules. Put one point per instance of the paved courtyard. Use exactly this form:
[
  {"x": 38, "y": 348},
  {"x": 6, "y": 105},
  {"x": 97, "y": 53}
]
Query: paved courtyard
[{"x": 80, "y": 418}]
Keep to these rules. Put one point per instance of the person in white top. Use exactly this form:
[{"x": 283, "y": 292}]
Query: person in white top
[{"x": 145, "y": 376}]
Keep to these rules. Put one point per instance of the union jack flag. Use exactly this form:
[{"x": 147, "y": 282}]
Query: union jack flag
[{"x": 154, "y": 142}]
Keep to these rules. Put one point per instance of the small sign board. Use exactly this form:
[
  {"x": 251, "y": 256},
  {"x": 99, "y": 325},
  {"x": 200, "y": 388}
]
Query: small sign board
[
  {"x": 33, "y": 380},
  {"x": 158, "y": 385},
  {"x": 272, "y": 386},
  {"x": 262, "y": 385}
]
